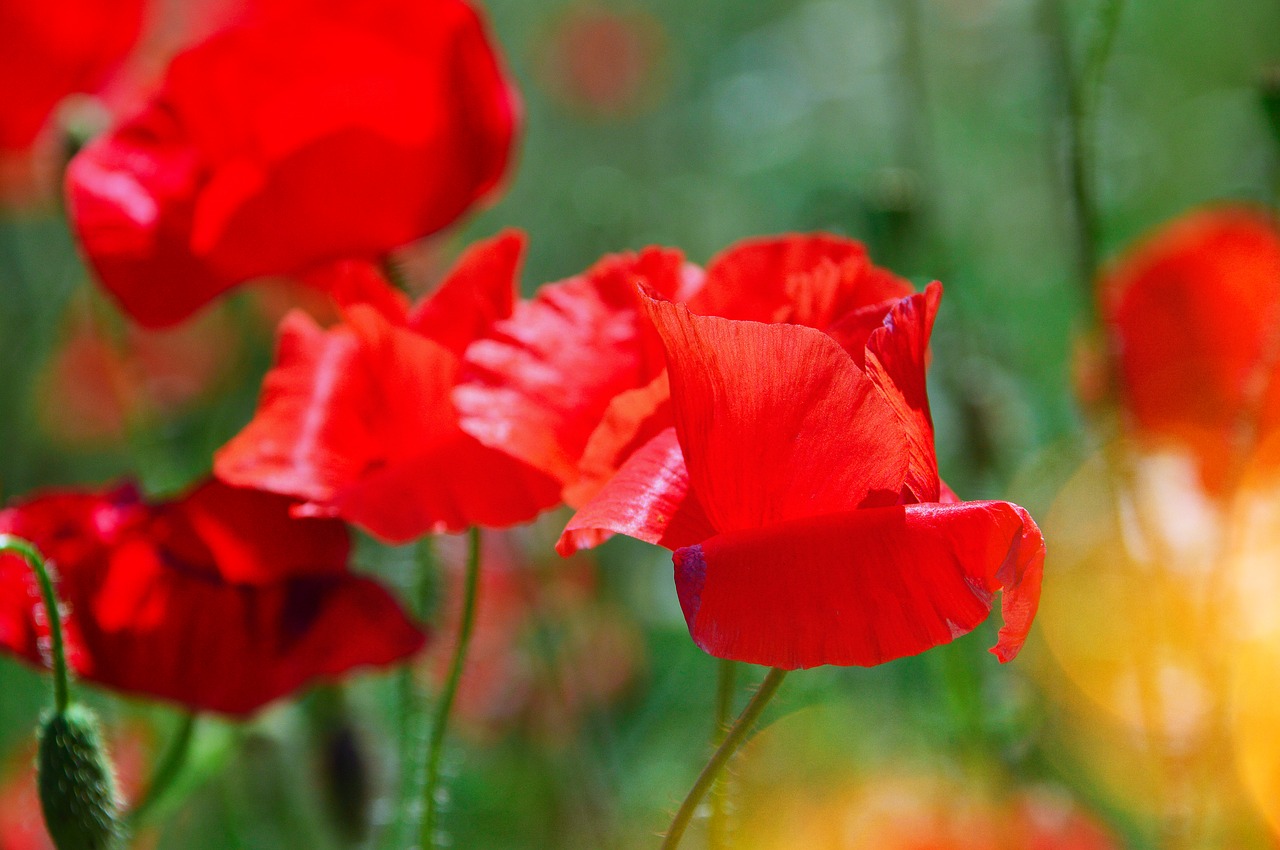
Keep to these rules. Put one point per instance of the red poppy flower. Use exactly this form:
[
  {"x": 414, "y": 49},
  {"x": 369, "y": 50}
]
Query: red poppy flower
[
  {"x": 799, "y": 491},
  {"x": 50, "y": 50},
  {"x": 300, "y": 136},
  {"x": 358, "y": 421},
  {"x": 219, "y": 601},
  {"x": 574, "y": 383},
  {"x": 1193, "y": 313}
]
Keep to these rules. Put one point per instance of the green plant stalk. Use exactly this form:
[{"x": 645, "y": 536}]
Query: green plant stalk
[
  {"x": 737, "y": 735},
  {"x": 168, "y": 770},
  {"x": 440, "y": 720},
  {"x": 718, "y": 826},
  {"x": 61, "y": 677},
  {"x": 1080, "y": 96}
]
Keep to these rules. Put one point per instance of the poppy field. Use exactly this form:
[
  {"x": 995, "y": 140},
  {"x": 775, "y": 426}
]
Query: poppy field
[{"x": 585, "y": 424}]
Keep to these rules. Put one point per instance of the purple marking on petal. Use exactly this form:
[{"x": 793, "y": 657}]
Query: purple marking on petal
[{"x": 691, "y": 575}]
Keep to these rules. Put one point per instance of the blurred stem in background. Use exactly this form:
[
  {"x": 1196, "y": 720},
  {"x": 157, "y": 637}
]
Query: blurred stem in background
[
  {"x": 168, "y": 769},
  {"x": 718, "y": 828},
  {"x": 1078, "y": 92},
  {"x": 440, "y": 720},
  {"x": 732, "y": 741}
]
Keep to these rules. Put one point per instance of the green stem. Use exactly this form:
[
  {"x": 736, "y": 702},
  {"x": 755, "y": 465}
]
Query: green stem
[
  {"x": 169, "y": 769},
  {"x": 718, "y": 827},
  {"x": 741, "y": 728},
  {"x": 53, "y": 614},
  {"x": 440, "y": 722},
  {"x": 1080, "y": 93}
]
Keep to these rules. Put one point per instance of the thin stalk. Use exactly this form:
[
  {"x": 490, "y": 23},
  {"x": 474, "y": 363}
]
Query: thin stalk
[
  {"x": 61, "y": 678},
  {"x": 741, "y": 728},
  {"x": 718, "y": 826},
  {"x": 440, "y": 721},
  {"x": 169, "y": 769},
  {"x": 1080, "y": 96}
]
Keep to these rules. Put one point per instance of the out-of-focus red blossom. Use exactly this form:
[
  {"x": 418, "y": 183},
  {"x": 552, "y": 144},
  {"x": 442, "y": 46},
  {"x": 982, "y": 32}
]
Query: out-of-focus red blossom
[
  {"x": 51, "y": 49},
  {"x": 800, "y": 492},
  {"x": 1193, "y": 313},
  {"x": 94, "y": 385},
  {"x": 21, "y": 821},
  {"x": 545, "y": 649},
  {"x": 358, "y": 422},
  {"x": 218, "y": 601},
  {"x": 604, "y": 62},
  {"x": 574, "y": 383},
  {"x": 304, "y": 134}
]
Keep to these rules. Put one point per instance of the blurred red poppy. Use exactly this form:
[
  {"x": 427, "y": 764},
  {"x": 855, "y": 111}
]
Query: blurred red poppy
[
  {"x": 98, "y": 383},
  {"x": 52, "y": 49},
  {"x": 219, "y": 601},
  {"x": 301, "y": 135},
  {"x": 1193, "y": 313},
  {"x": 800, "y": 493},
  {"x": 602, "y": 61},
  {"x": 358, "y": 421},
  {"x": 575, "y": 382}
]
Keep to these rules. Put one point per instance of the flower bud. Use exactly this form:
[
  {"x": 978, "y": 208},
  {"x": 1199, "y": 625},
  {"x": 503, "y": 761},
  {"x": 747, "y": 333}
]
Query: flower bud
[{"x": 77, "y": 787}]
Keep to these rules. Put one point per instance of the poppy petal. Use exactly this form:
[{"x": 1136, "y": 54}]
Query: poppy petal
[
  {"x": 353, "y": 282},
  {"x": 895, "y": 361},
  {"x": 649, "y": 499},
  {"x": 361, "y": 425},
  {"x": 176, "y": 600},
  {"x": 632, "y": 419},
  {"x": 776, "y": 421},
  {"x": 862, "y": 587},
  {"x": 290, "y": 140},
  {"x": 234, "y": 648},
  {"x": 538, "y": 385},
  {"x": 807, "y": 279},
  {"x": 309, "y": 436},
  {"x": 478, "y": 291},
  {"x": 247, "y": 536}
]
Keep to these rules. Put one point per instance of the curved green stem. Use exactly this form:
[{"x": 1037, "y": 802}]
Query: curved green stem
[
  {"x": 169, "y": 769},
  {"x": 440, "y": 721},
  {"x": 737, "y": 734},
  {"x": 61, "y": 678},
  {"x": 1080, "y": 92},
  {"x": 718, "y": 826}
]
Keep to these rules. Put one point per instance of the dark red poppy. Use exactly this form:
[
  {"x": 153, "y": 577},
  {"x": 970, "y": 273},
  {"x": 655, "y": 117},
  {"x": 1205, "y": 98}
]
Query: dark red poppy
[
  {"x": 49, "y": 50},
  {"x": 1193, "y": 313},
  {"x": 358, "y": 421},
  {"x": 219, "y": 601},
  {"x": 574, "y": 383},
  {"x": 799, "y": 491},
  {"x": 304, "y": 134}
]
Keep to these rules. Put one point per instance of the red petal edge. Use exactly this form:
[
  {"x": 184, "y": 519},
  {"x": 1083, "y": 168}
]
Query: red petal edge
[{"x": 862, "y": 587}]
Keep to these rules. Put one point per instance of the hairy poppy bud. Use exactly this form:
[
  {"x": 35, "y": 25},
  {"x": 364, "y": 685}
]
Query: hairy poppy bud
[
  {"x": 77, "y": 788},
  {"x": 1269, "y": 89}
]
